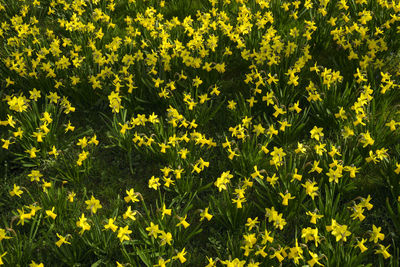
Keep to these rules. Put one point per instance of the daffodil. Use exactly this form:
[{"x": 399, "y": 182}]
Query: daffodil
[
  {"x": 123, "y": 233},
  {"x": 93, "y": 204},
  {"x": 50, "y": 213},
  {"x": 16, "y": 191},
  {"x": 110, "y": 225},
  {"x": 205, "y": 214},
  {"x": 62, "y": 240}
]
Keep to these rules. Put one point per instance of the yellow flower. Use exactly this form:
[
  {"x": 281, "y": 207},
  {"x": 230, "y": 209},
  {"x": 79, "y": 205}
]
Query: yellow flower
[
  {"x": 163, "y": 148},
  {"x": 162, "y": 262},
  {"x": 220, "y": 67},
  {"x": 165, "y": 211},
  {"x": 339, "y": 231},
  {"x": 197, "y": 81},
  {"x": 392, "y": 125},
  {"x": 383, "y": 250},
  {"x": 168, "y": 181},
  {"x": 157, "y": 82},
  {"x": 315, "y": 167},
  {"x": 82, "y": 223},
  {"x": 153, "y": 230},
  {"x": 320, "y": 149},
  {"x": 341, "y": 114},
  {"x": 278, "y": 111},
  {"x": 34, "y": 208},
  {"x": 93, "y": 204},
  {"x": 71, "y": 196},
  {"x": 316, "y": 133},
  {"x": 62, "y": 240},
  {"x": 310, "y": 234},
  {"x": 231, "y": 104},
  {"x": 376, "y": 234},
  {"x": 131, "y": 196},
  {"x": 360, "y": 245},
  {"x": 154, "y": 182},
  {"x": 110, "y": 225},
  {"x": 314, "y": 259},
  {"x": 284, "y": 124},
  {"x": 252, "y": 223},
  {"x": 18, "y": 133},
  {"x": 129, "y": 214},
  {"x": 34, "y": 264},
  {"x": 75, "y": 80},
  {"x": 311, "y": 189},
  {"x": 365, "y": 203},
  {"x": 10, "y": 121},
  {"x": 223, "y": 180},
  {"x": 272, "y": 131},
  {"x": 3, "y": 234},
  {"x": 180, "y": 256},
  {"x": 314, "y": 217},
  {"x": 9, "y": 82},
  {"x": 266, "y": 237},
  {"x": 182, "y": 221},
  {"x": 212, "y": 42},
  {"x": 115, "y": 101},
  {"x": 69, "y": 127},
  {"x": 82, "y": 142},
  {"x": 296, "y": 176},
  {"x": 286, "y": 198},
  {"x": 23, "y": 216},
  {"x": 165, "y": 238},
  {"x": 1, "y": 258},
  {"x": 300, "y": 148},
  {"x": 352, "y": 169},
  {"x": 123, "y": 233},
  {"x": 45, "y": 185},
  {"x": 16, "y": 191},
  {"x": 256, "y": 173},
  {"x": 272, "y": 179},
  {"x": 32, "y": 152},
  {"x": 295, "y": 107},
  {"x": 93, "y": 140},
  {"x": 258, "y": 129},
  {"x": 53, "y": 97},
  {"x": 50, "y": 213},
  {"x": 277, "y": 254},
  {"x": 366, "y": 139},
  {"x": 54, "y": 152},
  {"x": 6, "y": 143},
  {"x": 205, "y": 214},
  {"x": 18, "y": 104}
]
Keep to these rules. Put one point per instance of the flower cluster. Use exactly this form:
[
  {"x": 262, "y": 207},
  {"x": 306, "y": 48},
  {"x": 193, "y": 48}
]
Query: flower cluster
[{"x": 199, "y": 133}]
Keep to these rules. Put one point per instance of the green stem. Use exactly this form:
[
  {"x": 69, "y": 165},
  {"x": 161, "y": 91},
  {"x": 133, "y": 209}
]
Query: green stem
[{"x": 130, "y": 161}]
